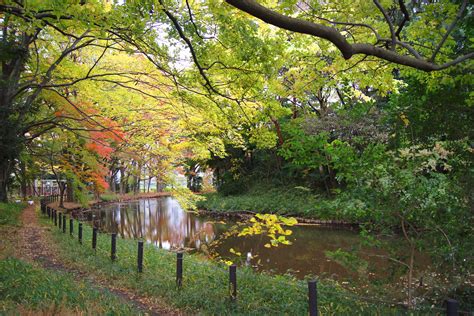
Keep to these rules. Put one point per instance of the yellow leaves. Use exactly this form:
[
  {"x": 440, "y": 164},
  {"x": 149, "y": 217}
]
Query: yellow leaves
[
  {"x": 272, "y": 226},
  {"x": 231, "y": 250},
  {"x": 227, "y": 262},
  {"x": 404, "y": 119}
]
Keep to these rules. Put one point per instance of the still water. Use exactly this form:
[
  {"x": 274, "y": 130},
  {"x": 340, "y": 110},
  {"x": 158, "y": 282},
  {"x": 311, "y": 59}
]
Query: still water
[{"x": 164, "y": 223}]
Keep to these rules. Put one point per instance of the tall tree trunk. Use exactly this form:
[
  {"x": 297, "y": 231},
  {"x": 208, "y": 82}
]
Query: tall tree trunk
[
  {"x": 127, "y": 186},
  {"x": 22, "y": 180},
  {"x": 122, "y": 180},
  {"x": 5, "y": 168},
  {"x": 13, "y": 63},
  {"x": 69, "y": 191},
  {"x": 62, "y": 189},
  {"x": 137, "y": 179}
]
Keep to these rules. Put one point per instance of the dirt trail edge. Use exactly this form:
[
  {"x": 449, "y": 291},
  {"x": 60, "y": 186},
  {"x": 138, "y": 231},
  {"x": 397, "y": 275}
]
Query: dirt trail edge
[{"x": 34, "y": 247}]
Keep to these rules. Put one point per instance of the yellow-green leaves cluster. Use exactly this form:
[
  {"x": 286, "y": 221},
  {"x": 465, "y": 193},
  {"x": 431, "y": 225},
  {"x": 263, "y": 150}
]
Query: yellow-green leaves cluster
[{"x": 272, "y": 226}]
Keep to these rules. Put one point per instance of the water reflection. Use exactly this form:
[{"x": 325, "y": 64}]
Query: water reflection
[{"x": 161, "y": 222}]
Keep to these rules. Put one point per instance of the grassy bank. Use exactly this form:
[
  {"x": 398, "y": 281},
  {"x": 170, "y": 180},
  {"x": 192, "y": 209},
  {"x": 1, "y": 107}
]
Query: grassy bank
[
  {"x": 26, "y": 289},
  {"x": 112, "y": 197},
  {"x": 205, "y": 285},
  {"x": 294, "y": 201}
]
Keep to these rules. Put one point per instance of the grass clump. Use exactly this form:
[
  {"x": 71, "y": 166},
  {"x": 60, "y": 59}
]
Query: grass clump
[
  {"x": 205, "y": 286},
  {"x": 10, "y": 213},
  {"x": 288, "y": 201},
  {"x": 109, "y": 197},
  {"x": 298, "y": 201},
  {"x": 31, "y": 290}
]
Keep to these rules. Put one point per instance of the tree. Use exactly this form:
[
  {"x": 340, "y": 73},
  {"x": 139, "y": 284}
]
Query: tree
[
  {"x": 391, "y": 48},
  {"x": 41, "y": 45},
  {"x": 27, "y": 71}
]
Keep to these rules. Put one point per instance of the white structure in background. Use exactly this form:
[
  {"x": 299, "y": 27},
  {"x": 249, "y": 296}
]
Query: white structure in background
[
  {"x": 43, "y": 187},
  {"x": 179, "y": 180}
]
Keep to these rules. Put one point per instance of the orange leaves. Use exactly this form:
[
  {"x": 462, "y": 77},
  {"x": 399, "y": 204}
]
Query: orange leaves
[
  {"x": 102, "y": 150},
  {"x": 99, "y": 182}
]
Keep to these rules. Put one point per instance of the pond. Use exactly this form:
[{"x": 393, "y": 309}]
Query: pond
[{"x": 165, "y": 224}]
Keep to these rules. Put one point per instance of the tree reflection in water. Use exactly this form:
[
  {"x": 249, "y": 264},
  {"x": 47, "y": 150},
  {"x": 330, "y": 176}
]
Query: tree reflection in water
[
  {"x": 161, "y": 222},
  {"x": 165, "y": 224}
]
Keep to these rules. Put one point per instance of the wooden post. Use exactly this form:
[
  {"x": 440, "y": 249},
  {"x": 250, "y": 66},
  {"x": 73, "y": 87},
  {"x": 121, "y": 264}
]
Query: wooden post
[
  {"x": 79, "y": 233},
  {"x": 179, "y": 269},
  {"x": 313, "y": 298},
  {"x": 233, "y": 282},
  {"x": 452, "y": 307},
  {"x": 94, "y": 238},
  {"x": 140, "y": 256},
  {"x": 113, "y": 248}
]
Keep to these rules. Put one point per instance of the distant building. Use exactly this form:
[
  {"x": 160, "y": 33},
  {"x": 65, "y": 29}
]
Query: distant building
[{"x": 43, "y": 187}]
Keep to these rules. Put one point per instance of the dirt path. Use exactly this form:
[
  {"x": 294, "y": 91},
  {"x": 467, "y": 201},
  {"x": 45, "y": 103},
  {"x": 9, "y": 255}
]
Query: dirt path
[{"x": 33, "y": 246}]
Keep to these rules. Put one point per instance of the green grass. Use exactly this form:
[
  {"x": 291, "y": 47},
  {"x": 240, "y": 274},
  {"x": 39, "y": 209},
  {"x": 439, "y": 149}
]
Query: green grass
[
  {"x": 26, "y": 288},
  {"x": 205, "y": 285},
  {"x": 10, "y": 213},
  {"x": 291, "y": 200},
  {"x": 296, "y": 201},
  {"x": 108, "y": 197}
]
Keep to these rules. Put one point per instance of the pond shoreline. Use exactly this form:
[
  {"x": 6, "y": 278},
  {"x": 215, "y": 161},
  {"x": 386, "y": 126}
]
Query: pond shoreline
[
  {"x": 302, "y": 221},
  {"x": 238, "y": 215},
  {"x": 73, "y": 206}
]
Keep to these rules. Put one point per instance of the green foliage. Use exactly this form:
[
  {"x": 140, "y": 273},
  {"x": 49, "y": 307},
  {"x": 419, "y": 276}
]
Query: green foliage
[
  {"x": 303, "y": 150},
  {"x": 437, "y": 106},
  {"x": 27, "y": 289},
  {"x": 10, "y": 213},
  {"x": 417, "y": 190},
  {"x": 186, "y": 198}
]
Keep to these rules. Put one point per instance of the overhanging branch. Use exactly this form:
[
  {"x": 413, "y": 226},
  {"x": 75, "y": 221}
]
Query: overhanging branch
[{"x": 334, "y": 36}]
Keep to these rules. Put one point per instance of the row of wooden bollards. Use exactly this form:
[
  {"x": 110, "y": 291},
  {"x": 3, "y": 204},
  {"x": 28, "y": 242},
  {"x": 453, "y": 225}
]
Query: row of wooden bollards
[
  {"x": 49, "y": 199},
  {"x": 452, "y": 306}
]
